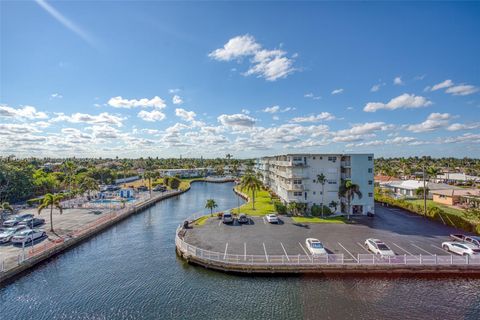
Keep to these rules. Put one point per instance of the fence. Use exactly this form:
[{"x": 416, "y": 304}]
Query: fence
[{"x": 328, "y": 259}]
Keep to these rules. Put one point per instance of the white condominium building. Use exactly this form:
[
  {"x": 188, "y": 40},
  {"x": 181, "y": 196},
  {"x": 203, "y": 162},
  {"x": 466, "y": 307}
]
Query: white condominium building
[{"x": 293, "y": 177}]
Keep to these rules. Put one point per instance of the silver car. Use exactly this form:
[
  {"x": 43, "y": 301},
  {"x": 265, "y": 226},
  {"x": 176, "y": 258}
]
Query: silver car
[
  {"x": 28, "y": 235},
  {"x": 6, "y": 234}
]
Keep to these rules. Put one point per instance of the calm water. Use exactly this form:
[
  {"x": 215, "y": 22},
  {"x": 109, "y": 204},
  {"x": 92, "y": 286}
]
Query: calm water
[{"x": 131, "y": 272}]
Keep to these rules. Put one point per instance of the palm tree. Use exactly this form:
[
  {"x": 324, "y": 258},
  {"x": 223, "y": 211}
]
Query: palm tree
[
  {"x": 51, "y": 200},
  {"x": 251, "y": 183},
  {"x": 151, "y": 175},
  {"x": 348, "y": 189},
  {"x": 333, "y": 204},
  {"x": 433, "y": 171},
  {"x": 69, "y": 168},
  {"x": 211, "y": 204},
  {"x": 293, "y": 206},
  {"x": 322, "y": 180},
  {"x": 88, "y": 184},
  {"x": 5, "y": 206}
]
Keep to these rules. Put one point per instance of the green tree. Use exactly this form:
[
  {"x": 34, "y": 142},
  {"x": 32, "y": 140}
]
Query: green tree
[
  {"x": 252, "y": 184},
  {"x": 333, "y": 204},
  {"x": 69, "y": 169},
  {"x": 88, "y": 185},
  {"x": 211, "y": 204},
  {"x": 174, "y": 183},
  {"x": 5, "y": 206},
  {"x": 52, "y": 201},
  {"x": 322, "y": 180},
  {"x": 151, "y": 175},
  {"x": 348, "y": 189}
]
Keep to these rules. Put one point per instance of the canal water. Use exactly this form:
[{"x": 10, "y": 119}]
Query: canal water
[{"x": 131, "y": 272}]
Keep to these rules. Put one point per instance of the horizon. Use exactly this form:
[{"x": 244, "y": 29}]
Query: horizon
[{"x": 152, "y": 79}]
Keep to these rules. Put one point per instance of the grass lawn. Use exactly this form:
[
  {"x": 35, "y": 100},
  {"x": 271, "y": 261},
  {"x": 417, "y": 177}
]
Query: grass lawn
[
  {"x": 263, "y": 204},
  {"x": 431, "y": 204},
  {"x": 184, "y": 183},
  {"x": 201, "y": 221},
  {"x": 319, "y": 220}
]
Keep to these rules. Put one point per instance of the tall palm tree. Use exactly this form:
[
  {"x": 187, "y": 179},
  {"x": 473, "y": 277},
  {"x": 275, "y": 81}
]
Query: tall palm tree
[
  {"x": 322, "y": 180},
  {"x": 433, "y": 171},
  {"x": 211, "y": 204},
  {"x": 51, "y": 200},
  {"x": 69, "y": 168},
  {"x": 88, "y": 184},
  {"x": 149, "y": 175},
  {"x": 348, "y": 189},
  {"x": 251, "y": 183}
]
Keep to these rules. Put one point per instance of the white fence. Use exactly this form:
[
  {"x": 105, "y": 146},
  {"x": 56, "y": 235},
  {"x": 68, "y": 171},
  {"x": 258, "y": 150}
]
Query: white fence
[{"x": 329, "y": 259}]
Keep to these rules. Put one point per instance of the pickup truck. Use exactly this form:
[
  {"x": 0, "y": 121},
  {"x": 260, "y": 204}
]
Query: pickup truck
[{"x": 469, "y": 239}]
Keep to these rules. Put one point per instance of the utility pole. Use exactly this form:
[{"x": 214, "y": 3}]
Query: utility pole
[{"x": 424, "y": 194}]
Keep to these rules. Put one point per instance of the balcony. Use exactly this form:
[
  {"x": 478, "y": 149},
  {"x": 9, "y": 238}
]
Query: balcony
[
  {"x": 346, "y": 176},
  {"x": 346, "y": 164}
]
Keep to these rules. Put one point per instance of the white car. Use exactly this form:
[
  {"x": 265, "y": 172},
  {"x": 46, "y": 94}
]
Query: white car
[
  {"x": 461, "y": 248},
  {"x": 28, "y": 235},
  {"x": 315, "y": 246},
  {"x": 6, "y": 234},
  {"x": 378, "y": 247},
  {"x": 272, "y": 218}
]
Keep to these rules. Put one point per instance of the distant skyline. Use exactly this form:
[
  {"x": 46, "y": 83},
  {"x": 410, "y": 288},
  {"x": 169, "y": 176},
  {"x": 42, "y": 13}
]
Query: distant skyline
[{"x": 139, "y": 79}]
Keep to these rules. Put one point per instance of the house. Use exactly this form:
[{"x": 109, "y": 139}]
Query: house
[
  {"x": 380, "y": 179},
  {"x": 456, "y": 178},
  {"x": 452, "y": 197},
  {"x": 408, "y": 188},
  {"x": 293, "y": 177}
]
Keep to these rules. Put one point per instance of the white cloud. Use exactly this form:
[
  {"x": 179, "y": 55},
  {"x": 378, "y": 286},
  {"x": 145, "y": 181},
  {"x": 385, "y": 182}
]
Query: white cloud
[
  {"x": 236, "y": 120},
  {"x": 463, "y": 126},
  {"x": 398, "y": 81},
  {"x": 275, "y": 109},
  {"x": 405, "y": 101},
  {"x": 102, "y": 118},
  {"x": 434, "y": 121},
  {"x": 119, "y": 102},
  {"x": 467, "y": 137},
  {"x": 268, "y": 64},
  {"x": 462, "y": 90},
  {"x": 27, "y": 112},
  {"x": 445, "y": 84},
  {"x": 151, "y": 116},
  {"x": 185, "y": 115},
  {"x": 376, "y": 87},
  {"x": 177, "y": 99},
  {"x": 175, "y": 90},
  {"x": 246, "y": 111},
  {"x": 324, "y": 116},
  {"x": 337, "y": 91},
  {"x": 312, "y": 96},
  {"x": 364, "y": 128},
  {"x": 56, "y": 96}
]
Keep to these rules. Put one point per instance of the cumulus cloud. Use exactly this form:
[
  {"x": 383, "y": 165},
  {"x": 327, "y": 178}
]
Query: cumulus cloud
[
  {"x": 236, "y": 120},
  {"x": 445, "y": 84},
  {"x": 337, "y": 91},
  {"x": 324, "y": 116},
  {"x": 177, "y": 99},
  {"x": 398, "y": 81},
  {"x": 360, "y": 131},
  {"x": 434, "y": 121},
  {"x": 102, "y": 118},
  {"x": 376, "y": 87},
  {"x": 312, "y": 96},
  {"x": 27, "y": 112},
  {"x": 119, "y": 102},
  {"x": 151, "y": 116},
  {"x": 463, "y": 126},
  {"x": 268, "y": 64},
  {"x": 462, "y": 90},
  {"x": 185, "y": 115},
  {"x": 275, "y": 109},
  {"x": 404, "y": 101},
  {"x": 467, "y": 137}
]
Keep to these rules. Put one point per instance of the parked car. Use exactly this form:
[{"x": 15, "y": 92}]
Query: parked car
[
  {"x": 378, "y": 247},
  {"x": 6, "y": 234},
  {"x": 17, "y": 219},
  {"x": 160, "y": 188},
  {"x": 142, "y": 188},
  {"x": 470, "y": 239},
  {"x": 461, "y": 248},
  {"x": 272, "y": 218},
  {"x": 315, "y": 246},
  {"x": 32, "y": 222},
  {"x": 227, "y": 217},
  {"x": 242, "y": 218},
  {"x": 28, "y": 235}
]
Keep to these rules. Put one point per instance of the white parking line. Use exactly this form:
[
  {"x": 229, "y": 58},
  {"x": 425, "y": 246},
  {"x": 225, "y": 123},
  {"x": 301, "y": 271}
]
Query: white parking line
[
  {"x": 264, "y": 249},
  {"x": 225, "y": 254},
  {"x": 244, "y": 251},
  {"x": 348, "y": 252},
  {"x": 421, "y": 249},
  {"x": 363, "y": 247},
  {"x": 286, "y": 255},
  {"x": 219, "y": 222},
  {"x": 396, "y": 245},
  {"x": 303, "y": 249},
  {"x": 264, "y": 222}
]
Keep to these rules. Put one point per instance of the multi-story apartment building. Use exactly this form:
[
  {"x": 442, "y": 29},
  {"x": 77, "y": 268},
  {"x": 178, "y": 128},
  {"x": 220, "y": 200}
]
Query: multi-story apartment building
[{"x": 293, "y": 177}]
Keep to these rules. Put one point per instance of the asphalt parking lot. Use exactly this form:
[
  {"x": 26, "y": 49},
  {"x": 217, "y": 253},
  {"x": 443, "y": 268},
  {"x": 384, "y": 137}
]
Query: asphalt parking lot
[{"x": 404, "y": 232}]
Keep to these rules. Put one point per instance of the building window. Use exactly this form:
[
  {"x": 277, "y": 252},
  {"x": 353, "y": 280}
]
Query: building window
[
  {"x": 370, "y": 158},
  {"x": 297, "y": 194},
  {"x": 370, "y": 182},
  {"x": 305, "y": 196},
  {"x": 370, "y": 194},
  {"x": 333, "y": 159},
  {"x": 314, "y": 193},
  {"x": 332, "y": 182},
  {"x": 297, "y": 181},
  {"x": 297, "y": 158},
  {"x": 313, "y": 158},
  {"x": 370, "y": 170}
]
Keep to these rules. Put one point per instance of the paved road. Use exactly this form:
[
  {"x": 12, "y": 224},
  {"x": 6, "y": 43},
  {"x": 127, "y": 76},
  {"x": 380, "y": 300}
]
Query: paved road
[{"x": 404, "y": 232}]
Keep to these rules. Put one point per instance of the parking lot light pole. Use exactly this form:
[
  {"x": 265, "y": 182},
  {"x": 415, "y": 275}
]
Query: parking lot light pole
[{"x": 424, "y": 194}]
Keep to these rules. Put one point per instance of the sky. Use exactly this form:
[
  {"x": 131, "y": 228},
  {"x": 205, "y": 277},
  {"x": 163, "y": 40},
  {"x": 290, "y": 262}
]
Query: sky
[{"x": 170, "y": 79}]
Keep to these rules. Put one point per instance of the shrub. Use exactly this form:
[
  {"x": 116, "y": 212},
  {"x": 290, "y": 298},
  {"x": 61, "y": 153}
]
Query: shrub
[
  {"x": 174, "y": 183},
  {"x": 34, "y": 201},
  {"x": 280, "y": 208},
  {"x": 316, "y": 210}
]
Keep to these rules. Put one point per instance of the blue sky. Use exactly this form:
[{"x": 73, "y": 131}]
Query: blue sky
[{"x": 204, "y": 79}]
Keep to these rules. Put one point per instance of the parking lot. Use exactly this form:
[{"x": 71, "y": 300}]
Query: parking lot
[{"x": 405, "y": 233}]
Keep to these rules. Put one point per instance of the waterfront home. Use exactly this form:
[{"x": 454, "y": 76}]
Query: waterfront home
[
  {"x": 293, "y": 177},
  {"x": 462, "y": 197},
  {"x": 456, "y": 178},
  {"x": 408, "y": 188}
]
